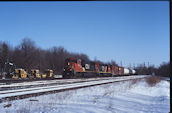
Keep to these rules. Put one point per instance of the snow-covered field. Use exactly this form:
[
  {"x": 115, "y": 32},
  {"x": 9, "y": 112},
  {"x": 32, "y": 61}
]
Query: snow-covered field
[{"x": 120, "y": 97}]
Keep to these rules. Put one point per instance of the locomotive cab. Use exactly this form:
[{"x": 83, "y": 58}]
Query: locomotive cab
[
  {"x": 68, "y": 68},
  {"x": 73, "y": 68}
]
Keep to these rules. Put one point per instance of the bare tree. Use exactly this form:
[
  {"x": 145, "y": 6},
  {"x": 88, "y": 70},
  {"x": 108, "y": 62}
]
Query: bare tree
[
  {"x": 164, "y": 69},
  {"x": 28, "y": 54},
  {"x": 113, "y": 63},
  {"x": 4, "y": 53}
]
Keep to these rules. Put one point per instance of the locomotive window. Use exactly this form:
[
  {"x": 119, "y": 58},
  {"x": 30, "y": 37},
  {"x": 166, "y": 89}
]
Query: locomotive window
[{"x": 74, "y": 61}]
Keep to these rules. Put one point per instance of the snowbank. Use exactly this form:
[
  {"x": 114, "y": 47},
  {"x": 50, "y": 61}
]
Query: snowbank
[
  {"x": 160, "y": 89},
  {"x": 120, "y": 97}
]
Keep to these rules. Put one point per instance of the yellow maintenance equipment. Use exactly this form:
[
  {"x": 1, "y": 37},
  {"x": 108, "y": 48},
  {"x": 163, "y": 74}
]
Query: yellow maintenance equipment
[
  {"x": 19, "y": 73},
  {"x": 49, "y": 73},
  {"x": 35, "y": 73},
  {"x": 43, "y": 75}
]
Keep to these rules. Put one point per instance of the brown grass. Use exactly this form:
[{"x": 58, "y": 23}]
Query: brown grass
[
  {"x": 152, "y": 81},
  {"x": 134, "y": 81}
]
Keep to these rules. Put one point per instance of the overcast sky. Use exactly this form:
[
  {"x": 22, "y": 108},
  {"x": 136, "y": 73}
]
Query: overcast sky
[{"x": 131, "y": 32}]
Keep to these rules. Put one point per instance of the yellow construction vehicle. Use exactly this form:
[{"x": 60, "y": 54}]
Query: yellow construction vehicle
[
  {"x": 10, "y": 71},
  {"x": 35, "y": 74},
  {"x": 19, "y": 73},
  {"x": 49, "y": 73},
  {"x": 43, "y": 75}
]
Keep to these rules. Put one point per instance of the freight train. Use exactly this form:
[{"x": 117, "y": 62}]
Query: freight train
[
  {"x": 73, "y": 68},
  {"x": 77, "y": 68}
]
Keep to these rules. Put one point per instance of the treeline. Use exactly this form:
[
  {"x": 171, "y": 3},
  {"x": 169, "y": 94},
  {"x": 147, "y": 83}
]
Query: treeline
[
  {"x": 28, "y": 56},
  {"x": 162, "y": 70}
]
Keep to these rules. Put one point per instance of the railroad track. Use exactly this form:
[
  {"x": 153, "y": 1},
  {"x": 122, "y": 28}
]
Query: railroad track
[
  {"x": 46, "y": 83},
  {"x": 9, "y": 81},
  {"x": 20, "y": 93}
]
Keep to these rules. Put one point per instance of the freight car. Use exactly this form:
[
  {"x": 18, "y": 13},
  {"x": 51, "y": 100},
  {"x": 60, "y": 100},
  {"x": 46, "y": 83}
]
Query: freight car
[{"x": 77, "y": 68}]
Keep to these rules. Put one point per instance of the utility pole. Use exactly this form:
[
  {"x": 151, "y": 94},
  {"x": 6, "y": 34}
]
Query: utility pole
[
  {"x": 134, "y": 65},
  {"x": 121, "y": 63},
  {"x": 39, "y": 61}
]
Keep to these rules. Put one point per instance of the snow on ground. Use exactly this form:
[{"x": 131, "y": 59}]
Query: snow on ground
[{"x": 119, "y": 97}]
